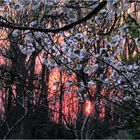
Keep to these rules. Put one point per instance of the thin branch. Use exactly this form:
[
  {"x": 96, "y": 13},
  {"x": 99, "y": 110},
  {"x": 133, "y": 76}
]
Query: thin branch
[
  {"x": 112, "y": 27},
  {"x": 56, "y": 30},
  {"x": 83, "y": 127},
  {"x": 18, "y": 122}
]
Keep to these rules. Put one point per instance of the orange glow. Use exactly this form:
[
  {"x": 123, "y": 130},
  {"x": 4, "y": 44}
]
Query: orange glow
[
  {"x": 1, "y": 104},
  {"x": 2, "y": 60},
  {"x": 38, "y": 66},
  {"x": 53, "y": 80},
  {"x": 4, "y": 46},
  {"x": 69, "y": 100},
  {"x": 88, "y": 108}
]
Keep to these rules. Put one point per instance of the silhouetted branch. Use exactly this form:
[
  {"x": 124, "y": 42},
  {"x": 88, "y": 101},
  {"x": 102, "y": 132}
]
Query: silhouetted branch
[
  {"x": 112, "y": 27},
  {"x": 55, "y": 30},
  {"x": 18, "y": 122}
]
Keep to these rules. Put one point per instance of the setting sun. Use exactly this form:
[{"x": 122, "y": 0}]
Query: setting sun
[{"x": 88, "y": 108}]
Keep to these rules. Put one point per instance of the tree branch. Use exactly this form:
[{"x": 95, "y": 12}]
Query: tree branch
[
  {"x": 18, "y": 122},
  {"x": 55, "y": 30}
]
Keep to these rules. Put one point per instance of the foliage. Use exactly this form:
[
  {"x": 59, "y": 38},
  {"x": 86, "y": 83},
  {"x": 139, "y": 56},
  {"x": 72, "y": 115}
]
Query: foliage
[{"x": 58, "y": 55}]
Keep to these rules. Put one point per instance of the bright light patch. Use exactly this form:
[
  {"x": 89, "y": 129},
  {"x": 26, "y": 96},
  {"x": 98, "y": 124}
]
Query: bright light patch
[{"x": 88, "y": 108}]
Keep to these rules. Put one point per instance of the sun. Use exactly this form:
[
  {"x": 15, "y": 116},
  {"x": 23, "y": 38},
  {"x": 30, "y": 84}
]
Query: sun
[{"x": 88, "y": 108}]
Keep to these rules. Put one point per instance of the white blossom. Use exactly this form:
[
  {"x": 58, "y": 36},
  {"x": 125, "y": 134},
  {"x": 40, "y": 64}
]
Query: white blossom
[
  {"x": 15, "y": 33},
  {"x": 106, "y": 81},
  {"x": 69, "y": 84},
  {"x": 119, "y": 50},
  {"x": 137, "y": 40},
  {"x": 27, "y": 50},
  {"x": 90, "y": 83},
  {"x": 127, "y": 98},
  {"x": 113, "y": 5}
]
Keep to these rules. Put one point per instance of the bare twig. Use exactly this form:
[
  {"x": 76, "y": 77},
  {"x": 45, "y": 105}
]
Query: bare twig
[{"x": 18, "y": 122}]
